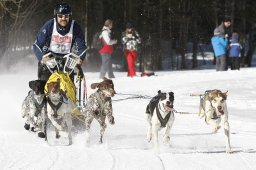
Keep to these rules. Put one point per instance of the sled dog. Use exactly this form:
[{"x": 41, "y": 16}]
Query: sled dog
[
  {"x": 33, "y": 108},
  {"x": 59, "y": 109},
  {"x": 214, "y": 108},
  {"x": 160, "y": 115},
  {"x": 99, "y": 106}
]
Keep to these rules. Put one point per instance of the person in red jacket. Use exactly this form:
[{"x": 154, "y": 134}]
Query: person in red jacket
[
  {"x": 130, "y": 40},
  {"x": 107, "y": 50}
]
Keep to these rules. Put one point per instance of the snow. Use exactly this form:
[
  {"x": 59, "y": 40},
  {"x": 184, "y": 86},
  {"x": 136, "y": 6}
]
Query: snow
[{"x": 193, "y": 145}]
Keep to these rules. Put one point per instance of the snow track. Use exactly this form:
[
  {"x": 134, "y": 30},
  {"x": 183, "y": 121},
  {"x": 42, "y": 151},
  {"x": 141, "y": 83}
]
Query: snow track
[{"x": 193, "y": 145}]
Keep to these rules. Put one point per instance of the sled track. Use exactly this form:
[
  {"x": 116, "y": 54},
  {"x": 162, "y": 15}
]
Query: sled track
[{"x": 161, "y": 161}]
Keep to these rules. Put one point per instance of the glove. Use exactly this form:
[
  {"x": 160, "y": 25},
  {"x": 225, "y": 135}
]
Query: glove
[
  {"x": 45, "y": 59},
  {"x": 80, "y": 61},
  {"x": 114, "y": 41},
  {"x": 112, "y": 120}
]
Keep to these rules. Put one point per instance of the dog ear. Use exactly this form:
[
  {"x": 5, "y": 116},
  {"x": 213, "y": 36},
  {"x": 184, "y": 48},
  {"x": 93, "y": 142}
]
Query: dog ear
[
  {"x": 94, "y": 85},
  {"x": 226, "y": 93},
  {"x": 31, "y": 84},
  {"x": 159, "y": 92}
]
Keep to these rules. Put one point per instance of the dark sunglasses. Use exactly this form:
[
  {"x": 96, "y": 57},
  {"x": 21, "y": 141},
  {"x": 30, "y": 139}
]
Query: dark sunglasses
[{"x": 61, "y": 16}]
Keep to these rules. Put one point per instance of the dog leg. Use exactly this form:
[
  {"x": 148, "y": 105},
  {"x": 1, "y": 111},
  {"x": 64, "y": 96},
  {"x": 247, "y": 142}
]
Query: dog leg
[
  {"x": 155, "y": 136},
  {"x": 69, "y": 126},
  {"x": 227, "y": 133},
  {"x": 88, "y": 121},
  {"x": 57, "y": 133},
  {"x": 103, "y": 127},
  {"x": 166, "y": 138},
  {"x": 149, "y": 133}
]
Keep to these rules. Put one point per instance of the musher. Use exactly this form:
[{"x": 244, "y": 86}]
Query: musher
[{"x": 59, "y": 35}]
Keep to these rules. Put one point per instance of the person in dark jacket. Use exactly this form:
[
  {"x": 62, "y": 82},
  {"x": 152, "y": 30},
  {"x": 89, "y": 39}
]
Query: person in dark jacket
[
  {"x": 234, "y": 52},
  {"x": 60, "y": 35},
  {"x": 131, "y": 40}
]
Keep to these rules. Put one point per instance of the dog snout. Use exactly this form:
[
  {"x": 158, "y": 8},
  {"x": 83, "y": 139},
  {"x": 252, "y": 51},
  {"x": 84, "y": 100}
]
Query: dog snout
[{"x": 219, "y": 108}]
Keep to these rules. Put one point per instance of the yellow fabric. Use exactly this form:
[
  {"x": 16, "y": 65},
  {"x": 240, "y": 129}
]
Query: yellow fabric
[{"x": 66, "y": 85}]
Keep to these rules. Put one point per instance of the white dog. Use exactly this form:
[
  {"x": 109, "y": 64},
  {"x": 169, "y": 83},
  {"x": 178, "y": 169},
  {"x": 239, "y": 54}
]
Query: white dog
[
  {"x": 213, "y": 106},
  {"x": 58, "y": 109},
  {"x": 33, "y": 108},
  {"x": 160, "y": 115}
]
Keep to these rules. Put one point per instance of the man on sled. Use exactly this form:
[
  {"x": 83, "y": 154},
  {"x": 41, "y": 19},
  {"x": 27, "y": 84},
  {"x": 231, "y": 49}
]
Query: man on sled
[
  {"x": 59, "y": 35},
  {"x": 57, "y": 40}
]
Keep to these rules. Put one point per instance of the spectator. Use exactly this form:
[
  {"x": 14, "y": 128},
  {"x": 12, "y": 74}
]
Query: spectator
[
  {"x": 219, "y": 43},
  {"x": 234, "y": 52},
  {"x": 130, "y": 40},
  {"x": 107, "y": 50}
]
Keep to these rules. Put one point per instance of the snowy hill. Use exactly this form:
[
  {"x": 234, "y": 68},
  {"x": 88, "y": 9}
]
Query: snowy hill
[{"x": 125, "y": 146}]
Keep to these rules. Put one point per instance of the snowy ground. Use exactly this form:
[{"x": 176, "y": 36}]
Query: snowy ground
[{"x": 125, "y": 146}]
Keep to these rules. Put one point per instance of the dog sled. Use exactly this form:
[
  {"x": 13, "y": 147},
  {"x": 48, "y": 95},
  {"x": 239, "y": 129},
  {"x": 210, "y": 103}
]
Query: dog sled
[{"x": 72, "y": 84}]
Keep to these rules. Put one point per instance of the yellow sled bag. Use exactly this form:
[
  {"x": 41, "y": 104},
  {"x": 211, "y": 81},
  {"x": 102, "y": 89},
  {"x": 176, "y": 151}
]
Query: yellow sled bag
[{"x": 66, "y": 85}]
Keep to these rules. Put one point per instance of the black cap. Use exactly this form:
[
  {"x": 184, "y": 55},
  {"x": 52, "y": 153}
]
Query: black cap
[
  {"x": 62, "y": 8},
  {"x": 129, "y": 25},
  {"x": 227, "y": 18}
]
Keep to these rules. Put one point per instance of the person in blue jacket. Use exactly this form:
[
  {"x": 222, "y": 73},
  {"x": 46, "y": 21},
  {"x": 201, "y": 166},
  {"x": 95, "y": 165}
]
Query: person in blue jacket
[
  {"x": 59, "y": 35},
  {"x": 219, "y": 43},
  {"x": 234, "y": 52}
]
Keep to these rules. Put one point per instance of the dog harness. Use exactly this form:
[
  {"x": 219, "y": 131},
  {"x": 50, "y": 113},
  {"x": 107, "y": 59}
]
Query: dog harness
[
  {"x": 54, "y": 107},
  {"x": 162, "y": 120},
  {"x": 38, "y": 106}
]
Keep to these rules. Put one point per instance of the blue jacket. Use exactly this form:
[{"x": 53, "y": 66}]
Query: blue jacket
[
  {"x": 44, "y": 35},
  {"x": 234, "y": 48},
  {"x": 219, "y": 44}
]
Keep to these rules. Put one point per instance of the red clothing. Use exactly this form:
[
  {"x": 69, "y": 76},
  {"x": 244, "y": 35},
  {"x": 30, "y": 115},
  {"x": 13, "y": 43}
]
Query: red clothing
[
  {"x": 131, "y": 57},
  {"x": 106, "y": 48}
]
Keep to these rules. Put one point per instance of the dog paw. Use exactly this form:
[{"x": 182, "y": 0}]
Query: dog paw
[
  {"x": 27, "y": 126},
  {"x": 112, "y": 120},
  {"x": 41, "y": 135},
  {"x": 33, "y": 129},
  {"x": 149, "y": 138},
  {"x": 228, "y": 151},
  {"x": 166, "y": 140},
  {"x": 216, "y": 129}
]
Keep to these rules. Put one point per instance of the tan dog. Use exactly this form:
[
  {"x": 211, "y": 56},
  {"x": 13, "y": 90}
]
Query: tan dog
[
  {"x": 99, "y": 106},
  {"x": 59, "y": 109},
  {"x": 214, "y": 108}
]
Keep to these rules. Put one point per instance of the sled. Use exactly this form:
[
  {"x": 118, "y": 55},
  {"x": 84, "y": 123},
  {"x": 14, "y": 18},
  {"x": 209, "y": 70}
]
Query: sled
[{"x": 61, "y": 68}]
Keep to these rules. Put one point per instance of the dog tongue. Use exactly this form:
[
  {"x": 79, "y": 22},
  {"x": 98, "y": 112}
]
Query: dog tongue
[{"x": 220, "y": 112}]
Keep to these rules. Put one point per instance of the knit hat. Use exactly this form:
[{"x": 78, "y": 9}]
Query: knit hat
[
  {"x": 217, "y": 32},
  {"x": 129, "y": 25}
]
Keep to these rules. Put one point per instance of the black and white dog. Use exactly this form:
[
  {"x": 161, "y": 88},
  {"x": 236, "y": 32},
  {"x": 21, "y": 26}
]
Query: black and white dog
[
  {"x": 33, "y": 108},
  {"x": 160, "y": 115}
]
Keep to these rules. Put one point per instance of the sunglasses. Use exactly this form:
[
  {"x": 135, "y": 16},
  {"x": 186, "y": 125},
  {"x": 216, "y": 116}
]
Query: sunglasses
[{"x": 61, "y": 16}]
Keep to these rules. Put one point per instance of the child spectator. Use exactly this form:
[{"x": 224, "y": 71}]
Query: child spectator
[{"x": 234, "y": 52}]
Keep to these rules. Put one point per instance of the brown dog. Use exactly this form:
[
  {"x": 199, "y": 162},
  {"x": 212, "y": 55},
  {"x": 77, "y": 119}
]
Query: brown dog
[
  {"x": 58, "y": 109},
  {"x": 99, "y": 106}
]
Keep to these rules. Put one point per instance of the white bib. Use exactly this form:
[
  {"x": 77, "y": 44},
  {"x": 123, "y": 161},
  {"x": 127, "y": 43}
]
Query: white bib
[{"x": 61, "y": 44}]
